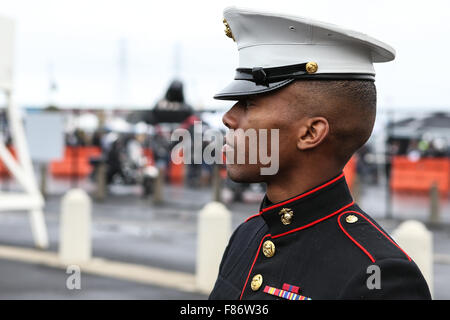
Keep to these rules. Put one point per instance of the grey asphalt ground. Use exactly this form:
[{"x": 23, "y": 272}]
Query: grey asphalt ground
[
  {"x": 28, "y": 281},
  {"x": 131, "y": 229}
]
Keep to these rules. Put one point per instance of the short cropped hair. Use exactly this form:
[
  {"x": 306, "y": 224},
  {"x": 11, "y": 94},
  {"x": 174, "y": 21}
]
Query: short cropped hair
[{"x": 350, "y": 108}]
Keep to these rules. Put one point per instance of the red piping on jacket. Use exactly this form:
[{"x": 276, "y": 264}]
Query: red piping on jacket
[
  {"x": 351, "y": 238},
  {"x": 251, "y": 217},
  {"x": 358, "y": 213},
  {"x": 253, "y": 264},
  {"x": 285, "y": 233},
  {"x": 298, "y": 197}
]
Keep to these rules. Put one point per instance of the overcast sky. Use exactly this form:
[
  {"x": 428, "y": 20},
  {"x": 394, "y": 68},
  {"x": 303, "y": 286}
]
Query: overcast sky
[{"x": 78, "y": 44}]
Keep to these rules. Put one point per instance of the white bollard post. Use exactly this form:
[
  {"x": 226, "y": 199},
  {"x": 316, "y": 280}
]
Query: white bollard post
[
  {"x": 75, "y": 227},
  {"x": 417, "y": 241},
  {"x": 214, "y": 229}
]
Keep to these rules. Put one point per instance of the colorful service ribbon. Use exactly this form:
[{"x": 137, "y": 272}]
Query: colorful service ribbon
[{"x": 284, "y": 294}]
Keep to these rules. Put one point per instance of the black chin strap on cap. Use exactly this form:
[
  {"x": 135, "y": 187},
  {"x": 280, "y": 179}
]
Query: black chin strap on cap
[
  {"x": 259, "y": 75},
  {"x": 265, "y": 76}
]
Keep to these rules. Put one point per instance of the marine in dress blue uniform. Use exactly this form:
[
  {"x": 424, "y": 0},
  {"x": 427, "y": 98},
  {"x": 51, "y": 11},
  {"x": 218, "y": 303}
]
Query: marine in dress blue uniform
[
  {"x": 324, "y": 247},
  {"x": 317, "y": 244}
]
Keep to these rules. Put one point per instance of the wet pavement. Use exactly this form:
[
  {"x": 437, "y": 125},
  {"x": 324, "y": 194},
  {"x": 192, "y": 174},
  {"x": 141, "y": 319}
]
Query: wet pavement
[{"x": 42, "y": 282}]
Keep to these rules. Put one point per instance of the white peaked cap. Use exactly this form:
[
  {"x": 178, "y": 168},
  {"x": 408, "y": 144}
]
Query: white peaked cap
[{"x": 276, "y": 49}]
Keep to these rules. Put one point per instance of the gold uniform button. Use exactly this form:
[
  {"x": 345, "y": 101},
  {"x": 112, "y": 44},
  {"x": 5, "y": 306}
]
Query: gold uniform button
[
  {"x": 269, "y": 249},
  {"x": 256, "y": 282},
  {"x": 312, "y": 67},
  {"x": 351, "y": 219}
]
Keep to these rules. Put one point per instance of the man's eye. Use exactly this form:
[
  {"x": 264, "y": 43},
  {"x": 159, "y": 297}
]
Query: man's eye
[
  {"x": 249, "y": 103},
  {"x": 246, "y": 103}
]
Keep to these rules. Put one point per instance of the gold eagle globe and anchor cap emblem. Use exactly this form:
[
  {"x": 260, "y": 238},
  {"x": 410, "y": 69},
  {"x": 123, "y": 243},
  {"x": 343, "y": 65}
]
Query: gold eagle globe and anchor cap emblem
[
  {"x": 228, "y": 32},
  {"x": 286, "y": 215}
]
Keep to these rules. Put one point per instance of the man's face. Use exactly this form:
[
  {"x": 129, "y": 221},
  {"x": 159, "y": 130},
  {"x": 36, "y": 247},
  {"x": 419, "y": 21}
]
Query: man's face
[{"x": 271, "y": 111}]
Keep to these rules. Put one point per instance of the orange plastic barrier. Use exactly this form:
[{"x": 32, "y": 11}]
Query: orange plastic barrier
[
  {"x": 419, "y": 176},
  {"x": 176, "y": 171},
  {"x": 82, "y": 152},
  {"x": 350, "y": 171},
  {"x": 4, "y": 172},
  {"x": 75, "y": 161}
]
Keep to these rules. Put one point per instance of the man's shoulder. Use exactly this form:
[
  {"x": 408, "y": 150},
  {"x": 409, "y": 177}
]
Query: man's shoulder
[
  {"x": 365, "y": 248},
  {"x": 399, "y": 276},
  {"x": 363, "y": 233}
]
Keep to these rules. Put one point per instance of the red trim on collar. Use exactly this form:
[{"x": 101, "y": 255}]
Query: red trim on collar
[
  {"x": 314, "y": 222},
  {"x": 297, "y": 197},
  {"x": 303, "y": 194}
]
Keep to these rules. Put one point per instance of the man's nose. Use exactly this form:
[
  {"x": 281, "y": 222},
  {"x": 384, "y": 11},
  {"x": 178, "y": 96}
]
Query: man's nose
[{"x": 231, "y": 118}]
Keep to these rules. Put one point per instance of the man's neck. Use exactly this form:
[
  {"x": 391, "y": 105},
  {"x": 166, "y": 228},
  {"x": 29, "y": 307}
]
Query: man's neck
[{"x": 285, "y": 186}]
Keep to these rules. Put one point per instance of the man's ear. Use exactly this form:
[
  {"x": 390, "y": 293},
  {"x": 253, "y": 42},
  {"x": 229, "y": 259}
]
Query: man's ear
[{"x": 312, "y": 132}]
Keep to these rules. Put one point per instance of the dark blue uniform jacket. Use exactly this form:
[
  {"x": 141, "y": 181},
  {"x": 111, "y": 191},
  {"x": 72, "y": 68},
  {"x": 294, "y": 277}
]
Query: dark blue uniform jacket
[{"x": 317, "y": 245}]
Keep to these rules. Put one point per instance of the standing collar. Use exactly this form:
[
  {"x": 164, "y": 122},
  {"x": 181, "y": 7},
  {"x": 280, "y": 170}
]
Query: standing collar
[{"x": 308, "y": 208}]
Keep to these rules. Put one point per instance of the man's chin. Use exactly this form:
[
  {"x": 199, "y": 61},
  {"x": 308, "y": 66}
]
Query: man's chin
[{"x": 244, "y": 174}]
